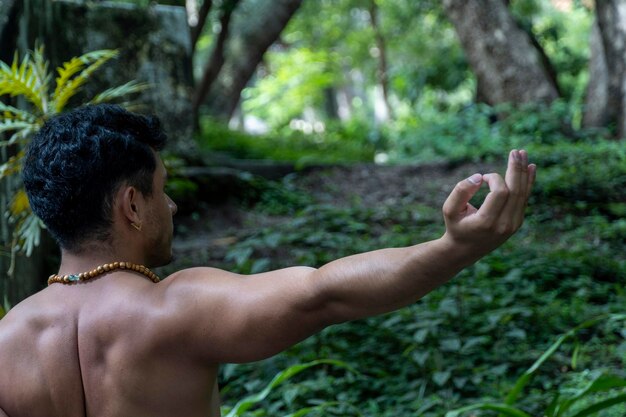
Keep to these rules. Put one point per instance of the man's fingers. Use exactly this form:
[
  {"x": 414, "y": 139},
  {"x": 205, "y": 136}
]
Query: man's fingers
[
  {"x": 532, "y": 174},
  {"x": 456, "y": 204},
  {"x": 524, "y": 177},
  {"x": 517, "y": 183},
  {"x": 497, "y": 197}
]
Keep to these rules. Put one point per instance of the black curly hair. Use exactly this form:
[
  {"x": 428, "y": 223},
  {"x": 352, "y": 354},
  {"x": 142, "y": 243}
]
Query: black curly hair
[{"x": 77, "y": 161}]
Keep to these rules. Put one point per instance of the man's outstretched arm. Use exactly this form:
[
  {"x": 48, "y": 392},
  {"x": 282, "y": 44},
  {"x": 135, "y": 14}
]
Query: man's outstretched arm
[
  {"x": 392, "y": 278},
  {"x": 235, "y": 318}
]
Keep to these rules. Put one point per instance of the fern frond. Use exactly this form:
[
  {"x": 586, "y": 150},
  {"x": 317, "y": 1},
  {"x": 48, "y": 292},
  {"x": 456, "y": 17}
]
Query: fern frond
[
  {"x": 76, "y": 64},
  {"x": 12, "y": 166},
  {"x": 21, "y": 79},
  {"x": 43, "y": 76},
  {"x": 20, "y": 136},
  {"x": 12, "y": 113},
  {"x": 119, "y": 91},
  {"x": 10, "y": 125},
  {"x": 75, "y": 73}
]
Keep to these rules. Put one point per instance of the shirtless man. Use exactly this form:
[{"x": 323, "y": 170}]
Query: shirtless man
[{"x": 110, "y": 342}]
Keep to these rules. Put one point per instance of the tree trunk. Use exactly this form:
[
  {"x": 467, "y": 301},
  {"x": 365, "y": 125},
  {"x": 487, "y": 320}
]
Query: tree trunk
[
  {"x": 216, "y": 59},
  {"x": 508, "y": 67},
  {"x": 597, "y": 112},
  {"x": 611, "y": 15},
  {"x": 8, "y": 28},
  {"x": 381, "y": 72},
  {"x": 245, "y": 51},
  {"x": 196, "y": 30}
]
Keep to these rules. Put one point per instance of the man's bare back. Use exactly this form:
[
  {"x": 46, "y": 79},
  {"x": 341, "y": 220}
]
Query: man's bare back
[{"x": 100, "y": 349}]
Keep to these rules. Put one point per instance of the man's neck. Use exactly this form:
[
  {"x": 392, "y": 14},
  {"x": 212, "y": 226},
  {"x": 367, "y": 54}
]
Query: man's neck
[{"x": 89, "y": 258}]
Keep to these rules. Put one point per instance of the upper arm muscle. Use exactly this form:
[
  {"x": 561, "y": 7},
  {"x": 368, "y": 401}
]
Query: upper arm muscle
[{"x": 236, "y": 318}]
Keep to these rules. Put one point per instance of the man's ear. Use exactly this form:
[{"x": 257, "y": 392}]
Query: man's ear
[{"x": 131, "y": 205}]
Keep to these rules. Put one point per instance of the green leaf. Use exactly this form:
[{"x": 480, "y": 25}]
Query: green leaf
[
  {"x": 13, "y": 113},
  {"x": 593, "y": 409},
  {"x": 440, "y": 378},
  {"x": 119, "y": 91},
  {"x": 527, "y": 376},
  {"x": 29, "y": 232},
  {"x": 504, "y": 409},
  {"x": 9, "y": 125},
  {"x": 308, "y": 410},
  {"x": 282, "y": 376},
  {"x": 600, "y": 384}
]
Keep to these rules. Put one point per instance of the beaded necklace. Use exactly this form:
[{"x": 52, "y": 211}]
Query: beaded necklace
[{"x": 85, "y": 276}]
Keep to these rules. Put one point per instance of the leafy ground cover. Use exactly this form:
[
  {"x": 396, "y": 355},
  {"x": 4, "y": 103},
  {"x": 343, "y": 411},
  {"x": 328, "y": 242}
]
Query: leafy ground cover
[{"x": 469, "y": 340}]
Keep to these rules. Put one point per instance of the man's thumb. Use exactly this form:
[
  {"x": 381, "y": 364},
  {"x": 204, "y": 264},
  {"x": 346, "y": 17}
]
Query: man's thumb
[{"x": 456, "y": 203}]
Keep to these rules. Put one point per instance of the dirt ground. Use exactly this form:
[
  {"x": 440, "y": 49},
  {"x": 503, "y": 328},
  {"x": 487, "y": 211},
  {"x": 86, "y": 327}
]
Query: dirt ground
[{"x": 203, "y": 237}]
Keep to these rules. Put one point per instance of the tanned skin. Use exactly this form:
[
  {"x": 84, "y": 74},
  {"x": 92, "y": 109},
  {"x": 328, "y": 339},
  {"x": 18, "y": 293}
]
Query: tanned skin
[{"x": 120, "y": 345}]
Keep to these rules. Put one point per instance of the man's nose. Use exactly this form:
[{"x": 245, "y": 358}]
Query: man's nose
[{"x": 172, "y": 205}]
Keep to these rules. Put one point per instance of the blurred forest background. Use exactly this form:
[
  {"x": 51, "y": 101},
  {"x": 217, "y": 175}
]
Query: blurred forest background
[{"x": 305, "y": 130}]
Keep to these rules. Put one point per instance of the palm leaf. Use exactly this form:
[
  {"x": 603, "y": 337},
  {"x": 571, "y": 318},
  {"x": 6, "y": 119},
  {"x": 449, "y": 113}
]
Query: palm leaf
[
  {"x": 73, "y": 74},
  {"x": 119, "y": 91},
  {"x": 22, "y": 79}
]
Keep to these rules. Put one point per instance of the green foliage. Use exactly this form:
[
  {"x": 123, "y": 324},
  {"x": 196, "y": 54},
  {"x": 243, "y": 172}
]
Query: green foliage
[
  {"x": 30, "y": 79},
  {"x": 283, "y": 95},
  {"x": 559, "y": 407},
  {"x": 344, "y": 143},
  {"x": 480, "y": 132},
  {"x": 245, "y": 404},
  {"x": 489, "y": 332}
]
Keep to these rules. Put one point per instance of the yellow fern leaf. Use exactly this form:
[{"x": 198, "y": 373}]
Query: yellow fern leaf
[
  {"x": 75, "y": 73},
  {"x": 22, "y": 79},
  {"x": 20, "y": 204},
  {"x": 12, "y": 166}
]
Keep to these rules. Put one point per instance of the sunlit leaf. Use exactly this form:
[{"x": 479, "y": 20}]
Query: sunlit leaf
[
  {"x": 111, "y": 94},
  {"x": 75, "y": 73},
  {"x": 19, "y": 204}
]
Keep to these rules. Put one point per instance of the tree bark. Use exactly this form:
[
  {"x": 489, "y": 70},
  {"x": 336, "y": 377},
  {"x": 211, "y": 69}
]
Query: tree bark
[
  {"x": 216, "y": 59},
  {"x": 611, "y": 17},
  {"x": 381, "y": 72},
  {"x": 9, "y": 11},
  {"x": 245, "y": 52},
  {"x": 508, "y": 67},
  {"x": 196, "y": 30},
  {"x": 597, "y": 112}
]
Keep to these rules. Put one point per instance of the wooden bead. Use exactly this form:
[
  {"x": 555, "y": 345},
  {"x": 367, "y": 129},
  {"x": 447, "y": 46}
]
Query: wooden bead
[{"x": 84, "y": 276}]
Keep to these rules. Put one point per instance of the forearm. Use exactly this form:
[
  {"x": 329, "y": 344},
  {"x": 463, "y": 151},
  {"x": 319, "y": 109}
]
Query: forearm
[{"x": 384, "y": 280}]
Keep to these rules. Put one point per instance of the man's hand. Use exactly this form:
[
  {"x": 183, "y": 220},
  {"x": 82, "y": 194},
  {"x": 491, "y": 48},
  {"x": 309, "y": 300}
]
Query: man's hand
[{"x": 501, "y": 214}]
